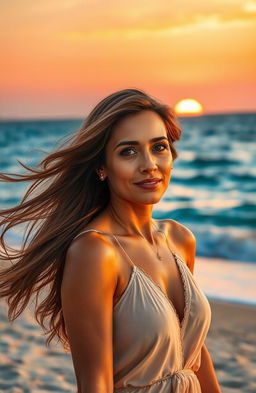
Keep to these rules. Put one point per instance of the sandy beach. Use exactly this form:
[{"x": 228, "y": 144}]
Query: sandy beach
[
  {"x": 28, "y": 366},
  {"x": 232, "y": 341}
]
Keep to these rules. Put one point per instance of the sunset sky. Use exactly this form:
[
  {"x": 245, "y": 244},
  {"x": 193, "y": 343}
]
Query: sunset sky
[{"x": 58, "y": 58}]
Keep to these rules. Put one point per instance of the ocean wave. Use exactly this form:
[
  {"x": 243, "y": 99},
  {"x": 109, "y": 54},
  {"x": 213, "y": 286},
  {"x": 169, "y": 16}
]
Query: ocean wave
[{"x": 212, "y": 185}]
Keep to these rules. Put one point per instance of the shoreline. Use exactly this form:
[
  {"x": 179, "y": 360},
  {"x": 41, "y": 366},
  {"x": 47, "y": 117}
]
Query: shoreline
[
  {"x": 226, "y": 280},
  {"x": 223, "y": 280}
]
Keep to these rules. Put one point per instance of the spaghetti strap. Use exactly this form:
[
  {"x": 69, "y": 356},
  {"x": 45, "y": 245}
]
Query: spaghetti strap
[
  {"x": 118, "y": 242},
  {"x": 173, "y": 253},
  {"x": 160, "y": 230},
  {"x": 110, "y": 234},
  {"x": 88, "y": 230}
]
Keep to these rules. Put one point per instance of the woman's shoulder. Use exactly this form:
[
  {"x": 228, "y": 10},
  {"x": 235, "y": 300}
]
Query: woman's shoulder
[
  {"x": 176, "y": 229},
  {"x": 93, "y": 239},
  {"x": 91, "y": 252}
]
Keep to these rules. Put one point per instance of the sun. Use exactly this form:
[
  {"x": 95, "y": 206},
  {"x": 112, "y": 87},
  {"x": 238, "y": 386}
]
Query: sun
[{"x": 188, "y": 106}]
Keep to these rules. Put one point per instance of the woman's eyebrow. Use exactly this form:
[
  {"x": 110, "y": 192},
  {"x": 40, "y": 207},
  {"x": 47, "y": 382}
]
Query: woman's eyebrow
[{"x": 159, "y": 138}]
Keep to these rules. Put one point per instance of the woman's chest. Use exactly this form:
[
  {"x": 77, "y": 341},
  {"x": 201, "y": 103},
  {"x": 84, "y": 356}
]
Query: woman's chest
[{"x": 167, "y": 277}]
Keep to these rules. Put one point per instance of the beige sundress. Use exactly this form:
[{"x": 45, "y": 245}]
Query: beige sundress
[{"x": 153, "y": 352}]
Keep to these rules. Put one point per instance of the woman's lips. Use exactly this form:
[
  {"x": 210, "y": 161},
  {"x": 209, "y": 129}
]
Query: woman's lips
[{"x": 149, "y": 185}]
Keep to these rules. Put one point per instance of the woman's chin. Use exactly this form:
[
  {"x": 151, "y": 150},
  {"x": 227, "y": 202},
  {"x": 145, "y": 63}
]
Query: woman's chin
[{"x": 151, "y": 200}]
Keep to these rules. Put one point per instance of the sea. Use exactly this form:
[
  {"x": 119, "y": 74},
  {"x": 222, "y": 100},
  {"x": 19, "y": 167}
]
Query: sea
[{"x": 212, "y": 191}]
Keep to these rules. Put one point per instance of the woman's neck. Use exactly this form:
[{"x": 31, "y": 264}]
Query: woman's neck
[{"x": 132, "y": 222}]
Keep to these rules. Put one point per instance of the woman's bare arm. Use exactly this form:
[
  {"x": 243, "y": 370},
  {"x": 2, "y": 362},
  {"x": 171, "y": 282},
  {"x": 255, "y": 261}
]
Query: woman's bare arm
[
  {"x": 87, "y": 292},
  {"x": 206, "y": 373}
]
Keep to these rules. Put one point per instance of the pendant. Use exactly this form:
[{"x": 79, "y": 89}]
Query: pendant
[{"x": 159, "y": 257}]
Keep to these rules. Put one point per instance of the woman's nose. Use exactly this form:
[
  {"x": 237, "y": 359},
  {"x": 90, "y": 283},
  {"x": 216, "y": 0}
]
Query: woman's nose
[{"x": 148, "y": 163}]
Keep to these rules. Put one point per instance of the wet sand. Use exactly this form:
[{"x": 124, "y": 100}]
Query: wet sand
[{"x": 28, "y": 366}]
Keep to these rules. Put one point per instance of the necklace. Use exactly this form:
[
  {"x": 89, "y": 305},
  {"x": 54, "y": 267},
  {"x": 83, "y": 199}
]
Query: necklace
[{"x": 156, "y": 251}]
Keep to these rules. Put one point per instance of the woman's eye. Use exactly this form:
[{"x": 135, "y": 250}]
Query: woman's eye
[
  {"x": 125, "y": 152},
  {"x": 164, "y": 145}
]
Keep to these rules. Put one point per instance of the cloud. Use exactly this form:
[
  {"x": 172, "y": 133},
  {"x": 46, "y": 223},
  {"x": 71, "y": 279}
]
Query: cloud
[
  {"x": 96, "y": 16},
  {"x": 250, "y": 6},
  {"x": 164, "y": 27}
]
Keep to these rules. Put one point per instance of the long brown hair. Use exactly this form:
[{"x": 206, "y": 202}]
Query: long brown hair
[{"x": 64, "y": 196}]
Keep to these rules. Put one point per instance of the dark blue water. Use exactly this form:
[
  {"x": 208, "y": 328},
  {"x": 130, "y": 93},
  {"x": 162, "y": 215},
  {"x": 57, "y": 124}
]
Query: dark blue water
[{"x": 212, "y": 190}]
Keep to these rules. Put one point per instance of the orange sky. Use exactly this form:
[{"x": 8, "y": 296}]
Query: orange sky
[{"x": 58, "y": 58}]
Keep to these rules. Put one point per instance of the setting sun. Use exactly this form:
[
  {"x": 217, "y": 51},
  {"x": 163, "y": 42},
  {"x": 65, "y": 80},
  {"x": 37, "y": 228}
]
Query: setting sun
[{"x": 188, "y": 106}]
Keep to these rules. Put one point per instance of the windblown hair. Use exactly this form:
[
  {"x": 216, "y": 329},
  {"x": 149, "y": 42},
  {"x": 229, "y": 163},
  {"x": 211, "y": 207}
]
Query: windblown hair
[{"x": 65, "y": 195}]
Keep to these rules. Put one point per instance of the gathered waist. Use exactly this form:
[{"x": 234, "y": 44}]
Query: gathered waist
[{"x": 176, "y": 374}]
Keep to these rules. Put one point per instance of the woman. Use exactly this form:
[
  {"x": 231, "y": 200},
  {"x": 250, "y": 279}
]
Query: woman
[{"x": 121, "y": 291}]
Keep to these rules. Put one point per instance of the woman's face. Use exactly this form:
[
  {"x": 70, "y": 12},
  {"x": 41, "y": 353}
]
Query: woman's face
[{"x": 138, "y": 149}]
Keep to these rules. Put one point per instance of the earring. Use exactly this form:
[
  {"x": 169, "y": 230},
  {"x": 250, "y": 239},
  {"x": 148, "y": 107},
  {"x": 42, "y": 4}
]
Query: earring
[{"x": 101, "y": 176}]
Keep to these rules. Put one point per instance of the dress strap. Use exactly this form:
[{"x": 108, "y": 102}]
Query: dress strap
[
  {"x": 106, "y": 233},
  {"x": 170, "y": 248},
  {"x": 89, "y": 230},
  {"x": 118, "y": 242},
  {"x": 162, "y": 231}
]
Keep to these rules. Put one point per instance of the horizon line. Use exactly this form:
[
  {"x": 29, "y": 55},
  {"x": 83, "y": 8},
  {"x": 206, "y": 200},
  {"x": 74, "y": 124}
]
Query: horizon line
[{"x": 60, "y": 117}]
